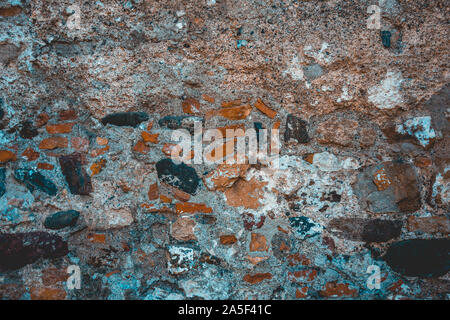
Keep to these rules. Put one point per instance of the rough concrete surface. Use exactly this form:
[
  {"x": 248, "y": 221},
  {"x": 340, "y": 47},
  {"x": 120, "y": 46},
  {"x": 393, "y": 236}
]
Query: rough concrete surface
[{"x": 92, "y": 91}]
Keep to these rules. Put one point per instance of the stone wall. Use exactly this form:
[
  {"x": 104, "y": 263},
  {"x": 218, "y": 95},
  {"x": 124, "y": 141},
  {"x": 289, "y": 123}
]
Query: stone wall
[{"x": 91, "y": 92}]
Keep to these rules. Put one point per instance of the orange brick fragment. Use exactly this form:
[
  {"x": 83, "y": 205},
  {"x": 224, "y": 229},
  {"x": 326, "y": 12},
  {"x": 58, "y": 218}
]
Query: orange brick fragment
[
  {"x": 6, "y": 155},
  {"x": 334, "y": 289},
  {"x": 302, "y": 293},
  {"x": 45, "y": 166},
  {"x": 59, "y": 128},
  {"x": 223, "y": 130},
  {"x": 141, "y": 147},
  {"x": 168, "y": 148},
  {"x": 47, "y": 294},
  {"x": 190, "y": 207},
  {"x": 381, "y": 179},
  {"x": 109, "y": 274},
  {"x": 30, "y": 154},
  {"x": 236, "y": 113},
  {"x": 153, "y": 192},
  {"x": 180, "y": 195},
  {"x": 261, "y": 106},
  {"x": 97, "y": 238},
  {"x": 191, "y": 106},
  {"x": 258, "y": 242},
  {"x": 97, "y": 167},
  {"x": 53, "y": 143},
  {"x": 257, "y": 277},
  {"x": 228, "y": 239},
  {"x": 101, "y": 141},
  {"x": 97, "y": 152},
  {"x": 52, "y": 276},
  {"x": 423, "y": 162},
  {"x": 232, "y": 103},
  {"x": 208, "y": 98},
  {"x": 67, "y": 114},
  {"x": 165, "y": 199},
  {"x": 147, "y": 137}
]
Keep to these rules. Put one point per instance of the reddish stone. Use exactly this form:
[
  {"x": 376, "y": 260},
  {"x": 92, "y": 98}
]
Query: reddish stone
[
  {"x": 6, "y": 155},
  {"x": 335, "y": 290},
  {"x": 423, "y": 162},
  {"x": 141, "y": 147},
  {"x": 381, "y": 179},
  {"x": 147, "y": 137},
  {"x": 302, "y": 293},
  {"x": 20, "y": 249},
  {"x": 208, "y": 98},
  {"x": 45, "y": 166},
  {"x": 98, "y": 152},
  {"x": 257, "y": 277},
  {"x": 437, "y": 224},
  {"x": 47, "y": 294},
  {"x": 228, "y": 239},
  {"x": 59, "y": 128},
  {"x": 97, "y": 238},
  {"x": 190, "y": 207},
  {"x": 236, "y": 113},
  {"x": 79, "y": 144},
  {"x": 53, "y": 143},
  {"x": 41, "y": 119},
  {"x": 183, "y": 229},
  {"x": 191, "y": 106},
  {"x": 10, "y": 11},
  {"x": 30, "y": 154},
  {"x": 339, "y": 131},
  {"x": 232, "y": 103},
  {"x": 67, "y": 115},
  {"x": 261, "y": 106},
  {"x": 153, "y": 192},
  {"x": 296, "y": 258},
  {"x": 180, "y": 195},
  {"x": 97, "y": 167},
  {"x": 165, "y": 199},
  {"x": 252, "y": 190},
  {"x": 52, "y": 276},
  {"x": 258, "y": 242},
  {"x": 101, "y": 141},
  {"x": 306, "y": 275}
]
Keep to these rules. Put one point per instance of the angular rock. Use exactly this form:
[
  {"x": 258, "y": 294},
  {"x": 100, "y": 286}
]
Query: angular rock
[
  {"x": 180, "y": 122},
  {"x": 180, "y": 176},
  {"x": 437, "y": 224},
  {"x": 2, "y": 181},
  {"x": 400, "y": 195},
  {"x": 35, "y": 180},
  {"x": 8, "y": 53},
  {"x": 78, "y": 180},
  {"x": 20, "y": 249},
  {"x": 27, "y": 130},
  {"x": 131, "y": 119},
  {"x": 304, "y": 227},
  {"x": 419, "y": 257},
  {"x": 368, "y": 230},
  {"x": 339, "y": 131},
  {"x": 61, "y": 219},
  {"x": 296, "y": 129},
  {"x": 183, "y": 229},
  {"x": 313, "y": 71}
]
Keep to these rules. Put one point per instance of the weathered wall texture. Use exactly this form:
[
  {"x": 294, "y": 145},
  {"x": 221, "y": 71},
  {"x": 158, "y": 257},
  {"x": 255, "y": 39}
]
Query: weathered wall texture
[{"x": 364, "y": 167}]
